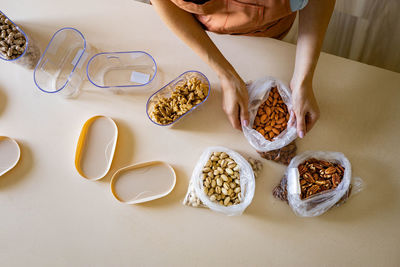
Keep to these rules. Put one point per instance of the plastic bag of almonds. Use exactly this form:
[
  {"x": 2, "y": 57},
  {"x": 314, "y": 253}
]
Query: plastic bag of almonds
[
  {"x": 315, "y": 181},
  {"x": 16, "y": 46},
  {"x": 269, "y": 130},
  {"x": 223, "y": 181}
]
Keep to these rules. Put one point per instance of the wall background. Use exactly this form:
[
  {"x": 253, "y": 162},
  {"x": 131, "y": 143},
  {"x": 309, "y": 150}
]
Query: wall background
[
  {"x": 363, "y": 30},
  {"x": 367, "y": 31}
]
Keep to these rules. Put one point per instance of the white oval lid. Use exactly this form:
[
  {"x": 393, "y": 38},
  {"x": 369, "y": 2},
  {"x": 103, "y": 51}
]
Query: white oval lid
[
  {"x": 96, "y": 147},
  {"x": 9, "y": 154},
  {"x": 143, "y": 182}
]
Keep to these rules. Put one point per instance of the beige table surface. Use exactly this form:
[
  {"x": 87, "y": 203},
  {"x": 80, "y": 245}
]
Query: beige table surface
[{"x": 50, "y": 216}]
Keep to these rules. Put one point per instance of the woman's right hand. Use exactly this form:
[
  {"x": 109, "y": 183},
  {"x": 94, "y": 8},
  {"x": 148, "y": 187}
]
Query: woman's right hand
[
  {"x": 234, "y": 90},
  {"x": 235, "y": 100}
]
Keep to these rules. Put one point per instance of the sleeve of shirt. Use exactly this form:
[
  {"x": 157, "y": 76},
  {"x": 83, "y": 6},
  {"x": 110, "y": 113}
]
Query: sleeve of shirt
[{"x": 297, "y": 4}]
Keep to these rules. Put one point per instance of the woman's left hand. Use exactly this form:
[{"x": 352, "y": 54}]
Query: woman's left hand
[{"x": 305, "y": 107}]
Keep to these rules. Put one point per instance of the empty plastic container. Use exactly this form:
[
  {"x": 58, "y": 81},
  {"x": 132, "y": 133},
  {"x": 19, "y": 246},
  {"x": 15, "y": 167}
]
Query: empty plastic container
[
  {"x": 127, "y": 72},
  {"x": 62, "y": 67}
]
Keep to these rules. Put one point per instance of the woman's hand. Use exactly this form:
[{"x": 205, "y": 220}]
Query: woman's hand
[
  {"x": 234, "y": 90},
  {"x": 313, "y": 21},
  {"x": 305, "y": 108},
  {"x": 235, "y": 100}
]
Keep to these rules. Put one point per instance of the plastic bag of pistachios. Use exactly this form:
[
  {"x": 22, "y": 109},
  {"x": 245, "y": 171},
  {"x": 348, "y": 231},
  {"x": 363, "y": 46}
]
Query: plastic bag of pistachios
[
  {"x": 269, "y": 130},
  {"x": 315, "y": 181},
  {"x": 223, "y": 181}
]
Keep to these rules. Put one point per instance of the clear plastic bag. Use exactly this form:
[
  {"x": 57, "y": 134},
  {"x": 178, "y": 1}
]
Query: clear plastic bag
[
  {"x": 289, "y": 187},
  {"x": 196, "y": 197},
  {"x": 258, "y": 93}
]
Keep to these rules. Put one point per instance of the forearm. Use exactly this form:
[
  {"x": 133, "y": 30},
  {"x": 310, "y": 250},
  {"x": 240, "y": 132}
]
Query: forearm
[
  {"x": 313, "y": 22},
  {"x": 188, "y": 29}
]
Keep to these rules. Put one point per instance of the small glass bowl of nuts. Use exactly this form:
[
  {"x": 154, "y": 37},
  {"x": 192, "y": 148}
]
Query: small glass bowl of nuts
[
  {"x": 15, "y": 45},
  {"x": 178, "y": 98}
]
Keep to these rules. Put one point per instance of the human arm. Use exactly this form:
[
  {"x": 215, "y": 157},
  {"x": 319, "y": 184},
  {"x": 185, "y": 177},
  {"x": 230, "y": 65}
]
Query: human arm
[
  {"x": 313, "y": 22},
  {"x": 188, "y": 29}
]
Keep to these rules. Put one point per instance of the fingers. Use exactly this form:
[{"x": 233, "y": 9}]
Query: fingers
[
  {"x": 233, "y": 117},
  {"x": 244, "y": 112},
  {"x": 304, "y": 122},
  {"x": 293, "y": 119},
  {"x": 300, "y": 124},
  {"x": 311, "y": 119}
]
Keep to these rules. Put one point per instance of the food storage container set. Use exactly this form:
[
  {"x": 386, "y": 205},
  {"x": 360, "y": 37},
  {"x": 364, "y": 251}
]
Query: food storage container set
[{"x": 69, "y": 61}]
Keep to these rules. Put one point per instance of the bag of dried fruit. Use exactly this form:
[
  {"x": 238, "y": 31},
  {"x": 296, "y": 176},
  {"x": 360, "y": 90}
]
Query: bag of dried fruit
[
  {"x": 223, "y": 181},
  {"x": 315, "y": 181},
  {"x": 269, "y": 130}
]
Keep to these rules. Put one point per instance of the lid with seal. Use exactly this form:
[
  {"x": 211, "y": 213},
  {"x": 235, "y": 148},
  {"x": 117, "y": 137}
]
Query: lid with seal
[
  {"x": 96, "y": 147},
  {"x": 143, "y": 182},
  {"x": 9, "y": 154}
]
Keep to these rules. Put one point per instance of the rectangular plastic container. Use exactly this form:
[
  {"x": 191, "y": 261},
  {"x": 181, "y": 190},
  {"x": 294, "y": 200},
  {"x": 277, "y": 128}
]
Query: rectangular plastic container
[
  {"x": 167, "y": 90},
  {"x": 123, "y": 72},
  {"x": 62, "y": 67}
]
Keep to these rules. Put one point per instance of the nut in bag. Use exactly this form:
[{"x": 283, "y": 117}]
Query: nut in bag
[
  {"x": 315, "y": 181},
  {"x": 223, "y": 181},
  {"x": 269, "y": 130}
]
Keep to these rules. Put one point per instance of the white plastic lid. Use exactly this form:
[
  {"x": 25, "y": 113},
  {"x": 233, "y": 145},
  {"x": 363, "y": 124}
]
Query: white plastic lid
[
  {"x": 96, "y": 147},
  {"x": 143, "y": 182},
  {"x": 9, "y": 154}
]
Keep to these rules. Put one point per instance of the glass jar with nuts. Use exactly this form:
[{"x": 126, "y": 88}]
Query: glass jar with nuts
[
  {"x": 16, "y": 46},
  {"x": 178, "y": 98}
]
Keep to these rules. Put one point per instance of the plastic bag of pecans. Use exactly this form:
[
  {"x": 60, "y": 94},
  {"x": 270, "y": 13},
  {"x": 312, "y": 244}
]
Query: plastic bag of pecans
[
  {"x": 269, "y": 130},
  {"x": 315, "y": 181},
  {"x": 223, "y": 181}
]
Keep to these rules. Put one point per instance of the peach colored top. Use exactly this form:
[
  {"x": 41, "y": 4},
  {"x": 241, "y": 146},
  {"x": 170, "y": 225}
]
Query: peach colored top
[{"x": 268, "y": 18}]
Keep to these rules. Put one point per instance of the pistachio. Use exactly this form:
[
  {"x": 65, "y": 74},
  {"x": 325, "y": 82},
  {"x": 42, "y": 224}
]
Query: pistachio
[{"x": 221, "y": 179}]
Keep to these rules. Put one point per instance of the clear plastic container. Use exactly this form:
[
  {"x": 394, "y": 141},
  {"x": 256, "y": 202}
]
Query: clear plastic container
[
  {"x": 122, "y": 72},
  {"x": 61, "y": 69},
  {"x": 29, "y": 56},
  {"x": 167, "y": 90}
]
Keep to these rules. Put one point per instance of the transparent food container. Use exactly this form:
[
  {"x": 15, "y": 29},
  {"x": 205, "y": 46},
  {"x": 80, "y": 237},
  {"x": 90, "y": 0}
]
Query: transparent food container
[
  {"x": 12, "y": 46},
  {"x": 122, "y": 72},
  {"x": 166, "y": 92},
  {"x": 61, "y": 69}
]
